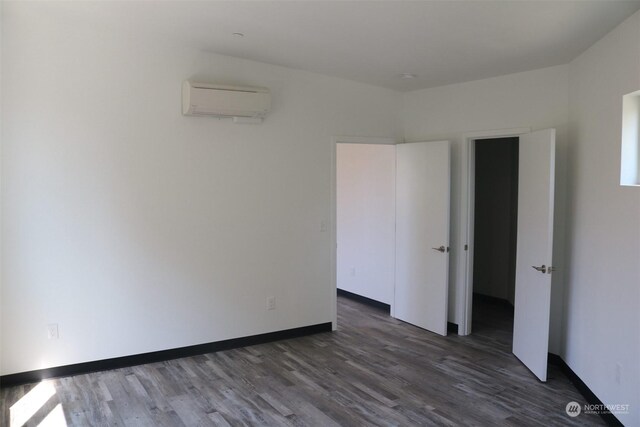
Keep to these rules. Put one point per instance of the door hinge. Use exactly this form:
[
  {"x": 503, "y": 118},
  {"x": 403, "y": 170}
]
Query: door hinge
[{"x": 466, "y": 247}]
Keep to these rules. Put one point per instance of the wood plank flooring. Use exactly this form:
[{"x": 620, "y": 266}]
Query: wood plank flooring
[{"x": 374, "y": 371}]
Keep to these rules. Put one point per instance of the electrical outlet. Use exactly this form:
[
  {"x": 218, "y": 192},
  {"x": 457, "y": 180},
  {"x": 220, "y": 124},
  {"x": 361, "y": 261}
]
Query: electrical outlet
[
  {"x": 271, "y": 303},
  {"x": 618, "y": 372},
  {"x": 52, "y": 331}
]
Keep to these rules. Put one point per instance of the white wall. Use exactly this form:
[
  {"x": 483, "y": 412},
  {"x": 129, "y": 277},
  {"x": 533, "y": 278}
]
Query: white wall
[
  {"x": 1, "y": 199},
  {"x": 536, "y": 99},
  {"x": 137, "y": 229},
  {"x": 603, "y": 234},
  {"x": 366, "y": 219}
]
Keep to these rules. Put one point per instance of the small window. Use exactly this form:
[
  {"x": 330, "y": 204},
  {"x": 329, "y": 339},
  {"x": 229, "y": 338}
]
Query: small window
[{"x": 630, "y": 153}]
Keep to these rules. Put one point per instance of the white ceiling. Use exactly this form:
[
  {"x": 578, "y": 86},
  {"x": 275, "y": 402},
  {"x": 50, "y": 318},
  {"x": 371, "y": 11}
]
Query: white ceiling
[{"x": 442, "y": 42}]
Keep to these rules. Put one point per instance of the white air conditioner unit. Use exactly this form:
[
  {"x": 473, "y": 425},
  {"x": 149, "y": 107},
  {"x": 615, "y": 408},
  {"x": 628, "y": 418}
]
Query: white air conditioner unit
[{"x": 204, "y": 99}]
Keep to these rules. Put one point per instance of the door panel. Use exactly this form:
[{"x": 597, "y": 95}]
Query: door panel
[
  {"x": 534, "y": 249},
  {"x": 422, "y": 223}
]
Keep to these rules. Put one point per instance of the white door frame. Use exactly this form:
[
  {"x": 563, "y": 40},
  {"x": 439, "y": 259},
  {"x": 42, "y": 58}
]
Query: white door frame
[
  {"x": 333, "y": 202},
  {"x": 468, "y": 215}
]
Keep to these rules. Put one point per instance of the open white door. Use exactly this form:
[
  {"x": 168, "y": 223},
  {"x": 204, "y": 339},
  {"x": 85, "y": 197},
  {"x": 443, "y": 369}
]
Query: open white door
[
  {"x": 534, "y": 250},
  {"x": 422, "y": 234}
]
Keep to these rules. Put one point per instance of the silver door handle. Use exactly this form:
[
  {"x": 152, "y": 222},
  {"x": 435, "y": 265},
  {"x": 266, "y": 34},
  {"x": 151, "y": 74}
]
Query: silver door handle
[
  {"x": 440, "y": 249},
  {"x": 542, "y": 268}
]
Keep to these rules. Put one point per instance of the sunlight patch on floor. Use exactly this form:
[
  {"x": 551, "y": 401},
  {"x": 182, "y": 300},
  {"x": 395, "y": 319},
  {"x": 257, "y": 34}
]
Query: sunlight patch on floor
[
  {"x": 25, "y": 408},
  {"x": 55, "y": 418}
]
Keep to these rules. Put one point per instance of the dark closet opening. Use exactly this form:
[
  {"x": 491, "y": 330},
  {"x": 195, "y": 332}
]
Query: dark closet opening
[{"x": 495, "y": 233}]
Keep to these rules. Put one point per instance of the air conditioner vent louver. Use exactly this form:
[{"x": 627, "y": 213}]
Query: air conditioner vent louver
[{"x": 203, "y": 99}]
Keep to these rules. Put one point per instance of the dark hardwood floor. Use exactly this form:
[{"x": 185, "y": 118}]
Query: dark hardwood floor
[{"x": 374, "y": 370}]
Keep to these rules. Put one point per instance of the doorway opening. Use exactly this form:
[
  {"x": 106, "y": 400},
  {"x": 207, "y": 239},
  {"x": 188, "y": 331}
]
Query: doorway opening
[
  {"x": 365, "y": 221},
  {"x": 392, "y": 222},
  {"x": 495, "y": 207}
]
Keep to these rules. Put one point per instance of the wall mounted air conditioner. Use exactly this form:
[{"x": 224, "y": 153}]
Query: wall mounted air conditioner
[{"x": 204, "y": 99}]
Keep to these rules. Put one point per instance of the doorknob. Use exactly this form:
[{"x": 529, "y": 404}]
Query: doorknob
[
  {"x": 542, "y": 268},
  {"x": 440, "y": 249}
]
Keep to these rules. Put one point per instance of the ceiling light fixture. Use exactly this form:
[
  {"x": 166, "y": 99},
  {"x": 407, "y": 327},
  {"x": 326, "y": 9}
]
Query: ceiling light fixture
[
  {"x": 239, "y": 35},
  {"x": 407, "y": 76}
]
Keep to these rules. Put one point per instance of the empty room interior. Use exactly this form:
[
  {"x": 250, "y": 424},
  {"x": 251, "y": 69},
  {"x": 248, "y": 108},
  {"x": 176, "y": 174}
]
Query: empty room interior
[{"x": 320, "y": 213}]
